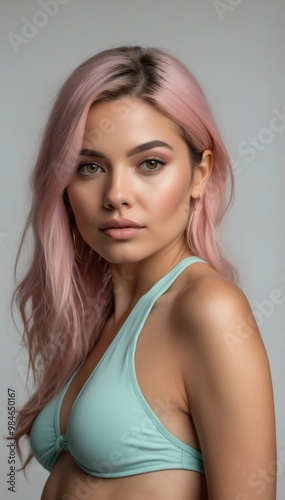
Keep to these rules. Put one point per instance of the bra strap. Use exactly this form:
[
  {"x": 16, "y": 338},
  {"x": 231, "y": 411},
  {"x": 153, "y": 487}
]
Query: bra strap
[{"x": 139, "y": 314}]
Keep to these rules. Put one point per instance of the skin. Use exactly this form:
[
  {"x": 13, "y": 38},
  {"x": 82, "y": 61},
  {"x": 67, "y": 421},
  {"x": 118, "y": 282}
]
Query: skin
[{"x": 192, "y": 352}]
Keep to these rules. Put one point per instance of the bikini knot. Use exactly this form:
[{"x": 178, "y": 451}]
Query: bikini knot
[{"x": 61, "y": 443}]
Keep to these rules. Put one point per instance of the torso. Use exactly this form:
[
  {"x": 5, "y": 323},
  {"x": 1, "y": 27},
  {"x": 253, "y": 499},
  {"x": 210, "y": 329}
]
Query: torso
[
  {"x": 158, "y": 369},
  {"x": 69, "y": 482}
]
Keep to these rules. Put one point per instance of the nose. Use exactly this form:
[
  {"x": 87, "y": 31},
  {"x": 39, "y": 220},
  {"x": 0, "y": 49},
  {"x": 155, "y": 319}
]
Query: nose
[{"x": 118, "y": 191}]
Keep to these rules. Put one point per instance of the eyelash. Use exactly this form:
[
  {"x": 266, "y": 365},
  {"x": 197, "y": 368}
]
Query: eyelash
[
  {"x": 150, "y": 171},
  {"x": 153, "y": 171}
]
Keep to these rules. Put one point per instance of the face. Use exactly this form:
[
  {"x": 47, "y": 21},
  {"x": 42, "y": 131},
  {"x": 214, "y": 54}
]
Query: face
[{"x": 131, "y": 191}]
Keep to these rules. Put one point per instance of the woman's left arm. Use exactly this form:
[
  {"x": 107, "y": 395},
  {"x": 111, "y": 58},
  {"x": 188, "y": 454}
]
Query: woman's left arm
[{"x": 228, "y": 383}]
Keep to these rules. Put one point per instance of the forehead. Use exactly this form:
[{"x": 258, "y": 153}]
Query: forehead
[{"x": 129, "y": 117}]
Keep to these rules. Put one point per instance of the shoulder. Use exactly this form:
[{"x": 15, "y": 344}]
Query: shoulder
[
  {"x": 212, "y": 308},
  {"x": 222, "y": 345},
  {"x": 227, "y": 382},
  {"x": 221, "y": 342}
]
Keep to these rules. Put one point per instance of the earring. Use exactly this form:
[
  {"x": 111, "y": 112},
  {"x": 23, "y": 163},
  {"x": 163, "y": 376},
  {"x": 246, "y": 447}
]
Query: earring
[
  {"x": 77, "y": 256},
  {"x": 191, "y": 220}
]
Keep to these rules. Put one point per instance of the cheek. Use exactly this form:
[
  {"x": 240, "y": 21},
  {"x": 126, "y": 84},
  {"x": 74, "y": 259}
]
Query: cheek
[
  {"x": 83, "y": 204},
  {"x": 172, "y": 200}
]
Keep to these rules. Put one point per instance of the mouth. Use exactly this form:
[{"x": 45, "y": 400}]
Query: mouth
[
  {"x": 121, "y": 229},
  {"x": 119, "y": 223}
]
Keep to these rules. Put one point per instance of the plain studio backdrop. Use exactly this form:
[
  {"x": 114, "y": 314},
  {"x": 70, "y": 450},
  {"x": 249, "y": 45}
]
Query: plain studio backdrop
[{"x": 235, "y": 48}]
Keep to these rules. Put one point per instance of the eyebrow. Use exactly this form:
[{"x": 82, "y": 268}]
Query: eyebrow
[{"x": 134, "y": 151}]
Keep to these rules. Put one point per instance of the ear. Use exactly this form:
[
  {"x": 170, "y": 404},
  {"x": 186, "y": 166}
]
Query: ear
[{"x": 202, "y": 173}]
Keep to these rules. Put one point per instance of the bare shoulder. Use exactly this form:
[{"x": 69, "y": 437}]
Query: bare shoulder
[
  {"x": 227, "y": 380},
  {"x": 219, "y": 332},
  {"x": 213, "y": 306}
]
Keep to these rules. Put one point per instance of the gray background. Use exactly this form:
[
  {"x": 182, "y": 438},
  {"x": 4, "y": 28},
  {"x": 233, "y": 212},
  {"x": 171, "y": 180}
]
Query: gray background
[{"x": 237, "y": 54}]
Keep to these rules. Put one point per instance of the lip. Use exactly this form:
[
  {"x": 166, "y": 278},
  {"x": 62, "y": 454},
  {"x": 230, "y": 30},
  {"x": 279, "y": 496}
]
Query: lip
[
  {"x": 121, "y": 229},
  {"x": 120, "y": 223}
]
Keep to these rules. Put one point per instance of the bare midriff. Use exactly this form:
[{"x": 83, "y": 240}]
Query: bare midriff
[{"x": 68, "y": 482}]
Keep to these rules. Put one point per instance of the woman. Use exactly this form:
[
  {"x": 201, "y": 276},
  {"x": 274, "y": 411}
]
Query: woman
[{"x": 152, "y": 378}]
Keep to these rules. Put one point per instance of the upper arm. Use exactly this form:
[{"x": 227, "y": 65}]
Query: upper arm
[{"x": 228, "y": 384}]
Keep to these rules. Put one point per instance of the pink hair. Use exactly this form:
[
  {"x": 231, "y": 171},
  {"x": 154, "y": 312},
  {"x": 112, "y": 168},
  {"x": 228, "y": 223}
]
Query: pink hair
[{"x": 64, "y": 304}]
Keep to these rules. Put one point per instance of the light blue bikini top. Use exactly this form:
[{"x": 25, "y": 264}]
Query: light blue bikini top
[{"x": 112, "y": 431}]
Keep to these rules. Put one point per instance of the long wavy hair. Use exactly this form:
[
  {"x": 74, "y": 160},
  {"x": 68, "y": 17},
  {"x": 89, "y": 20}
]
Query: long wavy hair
[{"x": 64, "y": 302}]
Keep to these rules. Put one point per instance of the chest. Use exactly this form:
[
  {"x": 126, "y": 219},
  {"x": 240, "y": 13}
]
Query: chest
[
  {"x": 125, "y": 410},
  {"x": 154, "y": 364}
]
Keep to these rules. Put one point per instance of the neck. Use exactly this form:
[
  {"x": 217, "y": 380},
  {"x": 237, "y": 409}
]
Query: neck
[{"x": 132, "y": 280}]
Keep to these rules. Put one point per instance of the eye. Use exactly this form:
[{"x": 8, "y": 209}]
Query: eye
[
  {"x": 152, "y": 165},
  {"x": 93, "y": 168}
]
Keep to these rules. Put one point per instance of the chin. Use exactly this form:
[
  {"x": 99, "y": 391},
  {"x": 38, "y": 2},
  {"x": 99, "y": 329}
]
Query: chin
[{"x": 123, "y": 257}]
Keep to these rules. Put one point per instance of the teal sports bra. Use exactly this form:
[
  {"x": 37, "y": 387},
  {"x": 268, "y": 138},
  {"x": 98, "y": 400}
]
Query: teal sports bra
[{"x": 112, "y": 431}]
